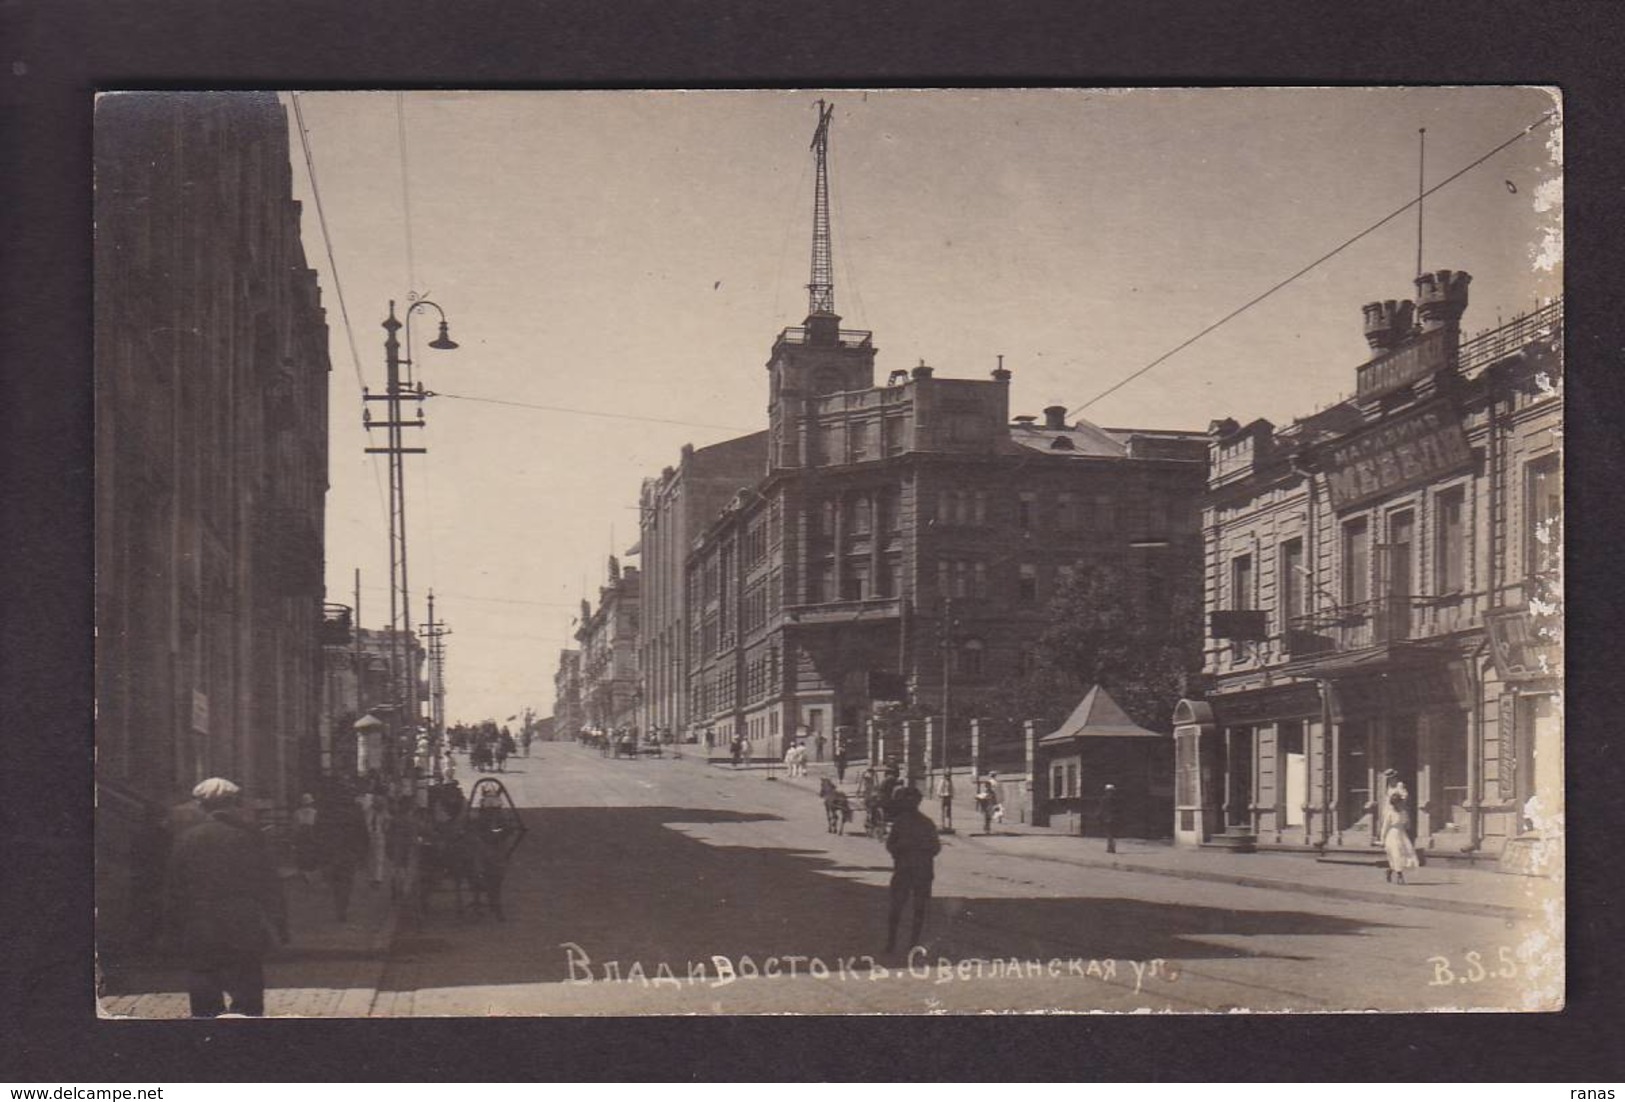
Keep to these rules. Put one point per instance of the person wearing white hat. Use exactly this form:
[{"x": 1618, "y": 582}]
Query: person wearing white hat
[{"x": 225, "y": 899}]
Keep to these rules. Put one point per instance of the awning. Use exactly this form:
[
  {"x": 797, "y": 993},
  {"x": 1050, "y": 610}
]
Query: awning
[
  {"x": 1097, "y": 716},
  {"x": 1367, "y": 661}
]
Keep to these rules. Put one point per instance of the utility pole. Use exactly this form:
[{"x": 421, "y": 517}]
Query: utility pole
[
  {"x": 396, "y": 390},
  {"x": 434, "y": 632}
]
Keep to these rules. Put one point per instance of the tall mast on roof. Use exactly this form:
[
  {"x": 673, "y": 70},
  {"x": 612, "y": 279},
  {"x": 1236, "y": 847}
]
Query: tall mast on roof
[{"x": 821, "y": 288}]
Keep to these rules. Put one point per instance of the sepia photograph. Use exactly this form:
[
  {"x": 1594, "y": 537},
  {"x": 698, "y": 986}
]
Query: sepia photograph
[{"x": 829, "y": 551}]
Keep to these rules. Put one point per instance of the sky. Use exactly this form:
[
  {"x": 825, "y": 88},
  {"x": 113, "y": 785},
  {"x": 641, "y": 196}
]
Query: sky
[{"x": 616, "y": 265}]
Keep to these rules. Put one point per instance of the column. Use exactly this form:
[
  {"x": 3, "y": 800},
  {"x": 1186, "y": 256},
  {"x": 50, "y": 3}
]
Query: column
[
  {"x": 1029, "y": 730},
  {"x": 908, "y": 747},
  {"x": 929, "y": 762},
  {"x": 975, "y": 750}
]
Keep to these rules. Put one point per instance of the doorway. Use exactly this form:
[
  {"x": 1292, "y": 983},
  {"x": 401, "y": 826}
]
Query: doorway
[
  {"x": 1239, "y": 777},
  {"x": 1294, "y": 765}
]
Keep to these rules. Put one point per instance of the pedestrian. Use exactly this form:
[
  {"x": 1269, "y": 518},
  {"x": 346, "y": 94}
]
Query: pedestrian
[
  {"x": 1396, "y": 837},
  {"x": 914, "y": 845},
  {"x": 738, "y": 747},
  {"x": 225, "y": 901},
  {"x": 887, "y": 791},
  {"x": 342, "y": 834},
  {"x": 987, "y": 800},
  {"x": 840, "y": 763},
  {"x": 306, "y": 852},
  {"x": 376, "y": 813},
  {"x": 1108, "y": 816},
  {"x": 945, "y": 796}
]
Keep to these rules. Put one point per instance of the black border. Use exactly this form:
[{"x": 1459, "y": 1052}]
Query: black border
[{"x": 57, "y": 53}]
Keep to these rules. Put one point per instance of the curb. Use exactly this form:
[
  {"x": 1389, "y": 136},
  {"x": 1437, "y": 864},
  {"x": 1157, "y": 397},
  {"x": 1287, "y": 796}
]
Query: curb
[
  {"x": 1355, "y": 895},
  {"x": 1490, "y": 910}
]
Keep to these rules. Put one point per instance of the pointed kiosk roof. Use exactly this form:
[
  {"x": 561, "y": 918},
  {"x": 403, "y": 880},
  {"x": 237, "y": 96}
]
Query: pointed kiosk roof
[{"x": 1097, "y": 716}]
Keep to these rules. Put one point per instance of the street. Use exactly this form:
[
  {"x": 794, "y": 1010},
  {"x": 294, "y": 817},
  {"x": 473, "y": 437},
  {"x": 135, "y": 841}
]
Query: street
[{"x": 671, "y": 886}]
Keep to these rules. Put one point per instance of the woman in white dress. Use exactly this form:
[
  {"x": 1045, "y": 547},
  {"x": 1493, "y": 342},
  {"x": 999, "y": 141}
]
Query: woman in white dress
[{"x": 1396, "y": 837}]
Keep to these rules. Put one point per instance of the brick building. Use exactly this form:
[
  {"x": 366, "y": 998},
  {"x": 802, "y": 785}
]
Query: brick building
[
  {"x": 823, "y": 589},
  {"x": 609, "y": 689},
  {"x": 1381, "y": 578},
  {"x": 568, "y": 718},
  {"x": 672, "y": 510},
  {"x": 211, "y": 463}
]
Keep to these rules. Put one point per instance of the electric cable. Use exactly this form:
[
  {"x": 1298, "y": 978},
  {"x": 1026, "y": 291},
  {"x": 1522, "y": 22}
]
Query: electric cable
[{"x": 1250, "y": 303}]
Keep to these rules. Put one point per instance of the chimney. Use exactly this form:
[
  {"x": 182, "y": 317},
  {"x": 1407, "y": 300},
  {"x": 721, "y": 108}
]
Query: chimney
[
  {"x": 1055, "y": 417},
  {"x": 1000, "y": 374},
  {"x": 1441, "y": 299},
  {"x": 1387, "y": 323},
  {"x": 922, "y": 372}
]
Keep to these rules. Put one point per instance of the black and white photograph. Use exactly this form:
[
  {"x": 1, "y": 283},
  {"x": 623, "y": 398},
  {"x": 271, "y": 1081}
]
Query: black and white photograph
[{"x": 826, "y": 551}]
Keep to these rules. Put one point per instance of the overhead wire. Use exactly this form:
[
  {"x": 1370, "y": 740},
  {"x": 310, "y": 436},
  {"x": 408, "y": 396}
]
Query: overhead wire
[
  {"x": 589, "y": 412},
  {"x": 1250, "y": 303},
  {"x": 406, "y": 193},
  {"x": 333, "y": 267}
]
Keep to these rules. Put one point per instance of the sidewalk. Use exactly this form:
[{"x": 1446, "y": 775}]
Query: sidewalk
[
  {"x": 1439, "y": 886},
  {"x": 328, "y": 969}
]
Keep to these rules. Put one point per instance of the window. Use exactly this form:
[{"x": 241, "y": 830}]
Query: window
[
  {"x": 827, "y": 520},
  {"x": 1026, "y": 511},
  {"x": 862, "y": 436},
  {"x": 945, "y": 507},
  {"x": 1066, "y": 517},
  {"x": 1057, "y": 781},
  {"x": 824, "y": 590},
  {"x": 860, "y": 515},
  {"x": 1356, "y": 562},
  {"x": 981, "y": 507},
  {"x": 1543, "y": 515},
  {"x": 1241, "y": 582},
  {"x": 852, "y": 585},
  {"x": 1065, "y": 575},
  {"x": 942, "y": 577},
  {"x": 829, "y": 446},
  {"x": 979, "y": 585},
  {"x": 1027, "y": 584},
  {"x": 970, "y": 658},
  {"x": 892, "y": 432},
  {"x": 886, "y": 581},
  {"x": 1291, "y": 581},
  {"x": 1104, "y": 513},
  {"x": 962, "y": 508},
  {"x": 887, "y": 515}
]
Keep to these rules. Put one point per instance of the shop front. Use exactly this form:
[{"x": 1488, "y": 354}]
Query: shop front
[{"x": 1304, "y": 763}]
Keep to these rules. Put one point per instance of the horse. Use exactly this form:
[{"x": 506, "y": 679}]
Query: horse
[{"x": 837, "y": 808}]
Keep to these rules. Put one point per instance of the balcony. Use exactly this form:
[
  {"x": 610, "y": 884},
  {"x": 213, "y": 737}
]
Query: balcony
[
  {"x": 1380, "y": 620},
  {"x": 868, "y": 610},
  {"x": 846, "y": 338}
]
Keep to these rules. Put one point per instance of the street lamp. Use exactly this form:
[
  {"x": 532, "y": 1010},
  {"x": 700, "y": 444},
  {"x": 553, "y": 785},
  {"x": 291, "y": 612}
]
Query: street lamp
[{"x": 399, "y": 387}]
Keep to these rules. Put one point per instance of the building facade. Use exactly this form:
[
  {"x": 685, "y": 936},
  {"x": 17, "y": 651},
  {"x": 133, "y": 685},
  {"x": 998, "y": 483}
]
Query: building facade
[
  {"x": 1382, "y": 581},
  {"x": 211, "y": 460},
  {"x": 568, "y": 718},
  {"x": 905, "y": 537},
  {"x": 358, "y": 682},
  {"x": 672, "y": 510},
  {"x": 610, "y": 690}
]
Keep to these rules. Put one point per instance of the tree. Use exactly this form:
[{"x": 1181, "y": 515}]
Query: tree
[{"x": 1136, "y": 633}]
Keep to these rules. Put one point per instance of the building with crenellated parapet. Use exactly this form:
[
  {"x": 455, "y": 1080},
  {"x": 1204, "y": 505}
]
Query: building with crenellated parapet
[{"x": 1383, "y": 584}]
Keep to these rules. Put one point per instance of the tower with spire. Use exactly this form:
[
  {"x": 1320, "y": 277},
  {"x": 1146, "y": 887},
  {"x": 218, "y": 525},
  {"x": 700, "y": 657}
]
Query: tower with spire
[{"x": 818, "y": 357}]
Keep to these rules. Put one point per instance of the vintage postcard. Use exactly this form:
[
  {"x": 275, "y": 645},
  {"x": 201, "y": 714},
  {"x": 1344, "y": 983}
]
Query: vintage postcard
[{"x": 820, "y": 551}]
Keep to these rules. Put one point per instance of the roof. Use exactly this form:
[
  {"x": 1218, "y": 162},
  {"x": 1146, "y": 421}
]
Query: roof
[
  {"x": 1078, "y": 438},
  {"x": 1097, "y": 716}
]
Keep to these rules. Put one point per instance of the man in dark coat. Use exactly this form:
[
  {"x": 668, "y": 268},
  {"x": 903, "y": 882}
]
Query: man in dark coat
[
  {"x": 914, "y": 846},
  {"x": 225, "y": 901},
  {"x": 341, "y": 835}
]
